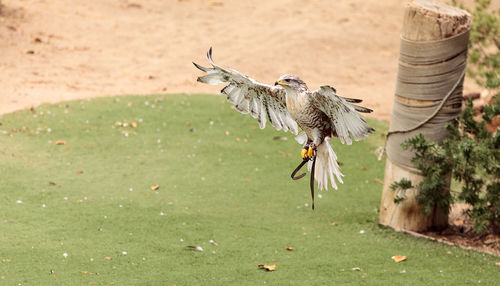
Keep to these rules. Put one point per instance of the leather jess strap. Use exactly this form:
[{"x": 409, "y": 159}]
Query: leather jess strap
[{"x": 311, "y": 183}]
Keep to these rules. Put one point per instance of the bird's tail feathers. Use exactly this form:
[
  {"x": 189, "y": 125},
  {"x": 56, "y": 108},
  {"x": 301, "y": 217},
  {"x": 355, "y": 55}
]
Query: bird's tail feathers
[{"x": 326, "y": 166}]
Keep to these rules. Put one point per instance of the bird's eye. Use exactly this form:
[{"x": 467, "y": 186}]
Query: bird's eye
[{"x": 286, "y": 80}]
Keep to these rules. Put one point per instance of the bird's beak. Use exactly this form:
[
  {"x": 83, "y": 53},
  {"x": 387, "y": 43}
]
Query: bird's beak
[{"x": 279, "y": 82}]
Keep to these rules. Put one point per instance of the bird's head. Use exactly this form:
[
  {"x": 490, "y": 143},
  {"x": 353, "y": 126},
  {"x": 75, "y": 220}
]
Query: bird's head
[{"x": 289, "y": 81}]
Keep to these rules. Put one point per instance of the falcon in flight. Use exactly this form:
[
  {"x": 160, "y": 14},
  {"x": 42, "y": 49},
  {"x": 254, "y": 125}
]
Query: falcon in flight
[{"x": 288, "y": 105}]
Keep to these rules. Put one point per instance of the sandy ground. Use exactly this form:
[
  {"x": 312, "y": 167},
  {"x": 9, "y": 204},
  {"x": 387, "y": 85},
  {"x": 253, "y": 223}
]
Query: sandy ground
[{"x": 53, "y": 50}]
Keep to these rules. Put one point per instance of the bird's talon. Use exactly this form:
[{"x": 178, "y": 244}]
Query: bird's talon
[
  {"x": 310, "y": 152},
  {"x": 303, "y": 153}
]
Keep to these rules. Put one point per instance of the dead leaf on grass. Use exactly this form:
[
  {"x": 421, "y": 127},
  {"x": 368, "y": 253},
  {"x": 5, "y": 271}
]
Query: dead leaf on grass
[
  {"x": 6, "y": 260},
  {"x": 289, "y": 248},
  {"x": 79, "y": 171},
  {"x": 84, "y": 272},
  {"x": 60, "y": 142},
  {"x": 133, "y": 124},
  {"x": 356, "y": 269},
  {"x": 195, "y": 247},
  {"x": 334, "y": 223},
  {"x": 155, "y": 187},
  {"x": 267, "y": 267},
  {"x": 280, "y": 138},
  {"x": 108, "y": 258},
  {"x": 399, "y": 258},
  {"x": 285, "y": 154}
]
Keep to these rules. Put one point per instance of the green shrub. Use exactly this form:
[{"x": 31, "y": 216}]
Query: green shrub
[{"x": 472, "y": 155}]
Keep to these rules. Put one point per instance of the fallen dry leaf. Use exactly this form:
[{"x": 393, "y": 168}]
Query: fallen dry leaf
[
  {"x": 334, "y": 223},
  {"x": 497, "y": 263},
  {"x": 193, "y": 247},
  {"x": 281, "y": 138},
  {"x": 60, "y": 142},
  {"x": 284, "y": 153},
  {"x": 399, "y": 258},
  {"x": 491, "y": 240},
  {"x": 155, "y": 187},
  {"x": 108, "y": 258},
  {"x": 356, "y": 269},
  {"x": 133, "y": 124},
  {"x": 267, "y": 267},
  {"x": 79, "y": 171},
  {"x": 6, "y": 260},
  {"x": 13, "y": 28},
  {"x": 378, "y": 181},
  {"x": 289, "y": 248},
  {"x": 458, "y": 222},
  {"x": 84, "y": 272}
]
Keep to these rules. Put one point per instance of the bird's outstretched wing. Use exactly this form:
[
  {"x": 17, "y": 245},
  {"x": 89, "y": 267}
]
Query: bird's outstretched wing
[
  {"x": 260, "y": 100},
  {"x": 344, "y": 116}
]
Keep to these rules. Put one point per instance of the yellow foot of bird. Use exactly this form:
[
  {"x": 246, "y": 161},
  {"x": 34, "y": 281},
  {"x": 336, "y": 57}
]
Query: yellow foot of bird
[
  {"x": 307, "y": 153},
  {"x": 310, "y": 152},
  {"x": 303, "y": 153}
]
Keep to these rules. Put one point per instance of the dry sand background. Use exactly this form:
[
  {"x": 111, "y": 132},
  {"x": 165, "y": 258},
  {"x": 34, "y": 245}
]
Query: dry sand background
[{"x": 53, "y": 50}]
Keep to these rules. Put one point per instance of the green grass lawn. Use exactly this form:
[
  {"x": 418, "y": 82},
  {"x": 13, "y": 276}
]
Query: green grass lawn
[{"x": 221, "y": 178}]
